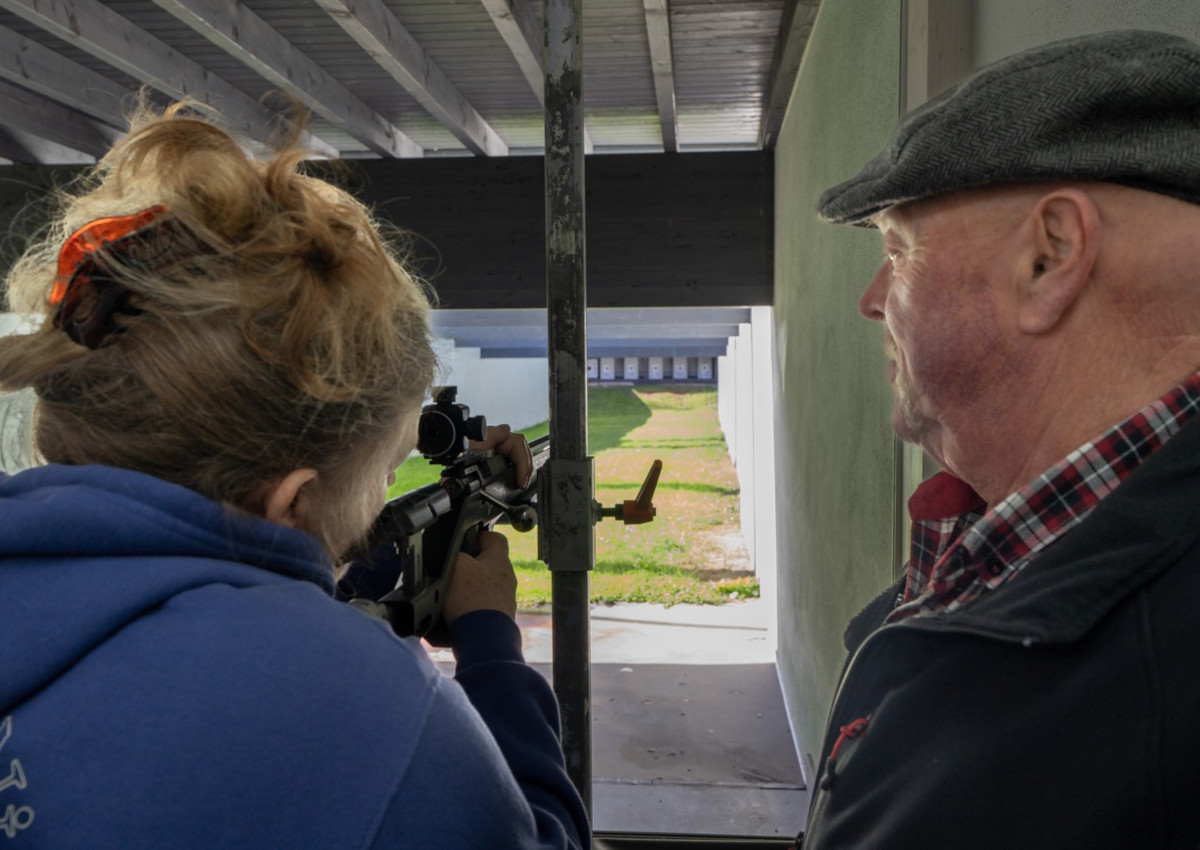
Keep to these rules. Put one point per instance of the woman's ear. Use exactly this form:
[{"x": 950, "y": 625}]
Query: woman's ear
[
  {"x": 1065, "y": 239},
  {"x": 287, "y": 501}
]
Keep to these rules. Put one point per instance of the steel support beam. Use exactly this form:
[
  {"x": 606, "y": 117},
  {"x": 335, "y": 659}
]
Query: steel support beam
[{"x": 567, "y": 508}]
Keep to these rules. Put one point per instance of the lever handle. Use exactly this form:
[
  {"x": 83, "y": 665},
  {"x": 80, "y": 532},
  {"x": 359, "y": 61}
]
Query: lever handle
[
  {"x": 642, "y": 509},
  {"x": 639, "y": 510}
]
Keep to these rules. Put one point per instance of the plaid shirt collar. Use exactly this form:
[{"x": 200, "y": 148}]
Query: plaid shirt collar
[{"x": 960, "y": 550}]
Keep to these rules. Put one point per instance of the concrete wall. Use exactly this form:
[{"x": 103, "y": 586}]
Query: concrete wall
[
  {"x": 745, "y": 404},
  {"x": 16, "y": 431},
  {"x": 16, "y": 410},
  {"x": 514, "y": 391},
  {"x": 834, "y": 444},
  {"x": 1003, "y": 27}
]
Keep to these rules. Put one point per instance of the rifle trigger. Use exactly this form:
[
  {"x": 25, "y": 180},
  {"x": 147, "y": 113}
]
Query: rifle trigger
[{"x": 471, "y": 541}]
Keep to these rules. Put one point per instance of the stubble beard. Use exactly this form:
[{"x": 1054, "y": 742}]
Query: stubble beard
[{"x": 909, "y": 421}]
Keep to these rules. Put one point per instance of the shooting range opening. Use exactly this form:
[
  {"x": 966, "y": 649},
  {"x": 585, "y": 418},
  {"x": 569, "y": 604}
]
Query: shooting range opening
[{"x": 687, "y": 714}]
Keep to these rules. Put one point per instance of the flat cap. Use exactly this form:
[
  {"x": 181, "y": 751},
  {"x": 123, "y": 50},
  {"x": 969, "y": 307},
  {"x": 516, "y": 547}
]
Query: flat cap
[{"x": 1120, "y": 107}]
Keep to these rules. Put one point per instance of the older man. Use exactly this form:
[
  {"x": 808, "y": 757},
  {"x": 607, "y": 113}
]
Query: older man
[{"x": 1033, "y": 680}]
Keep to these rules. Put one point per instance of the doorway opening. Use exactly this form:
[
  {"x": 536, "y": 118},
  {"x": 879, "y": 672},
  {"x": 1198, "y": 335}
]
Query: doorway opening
[{"x": 689, "y": 730}]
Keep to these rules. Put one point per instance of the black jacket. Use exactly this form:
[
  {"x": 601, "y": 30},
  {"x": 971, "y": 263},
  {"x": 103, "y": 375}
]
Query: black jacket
[{"x": 1061, "y": 710}]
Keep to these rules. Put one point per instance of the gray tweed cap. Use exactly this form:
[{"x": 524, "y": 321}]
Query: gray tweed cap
[{"x": 1121, "y": 107}]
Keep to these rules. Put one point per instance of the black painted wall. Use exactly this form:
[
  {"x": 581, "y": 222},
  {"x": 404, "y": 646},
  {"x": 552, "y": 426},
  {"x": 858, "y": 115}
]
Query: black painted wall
[{"x": 664, "y": 230}]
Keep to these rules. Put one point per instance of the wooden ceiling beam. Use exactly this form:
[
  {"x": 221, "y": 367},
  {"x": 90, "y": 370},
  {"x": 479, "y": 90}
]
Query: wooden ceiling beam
[
  {"x": 43, "y": 118},
  {"x": 794, "y": 28},
  {"x": 384, "y": 38},
  {"x": 92, "y": 27},
  {"x": 13, "y": 149},
  {"x": 234, "y": 28},
  {"x": 514, "y": 21},
  {"x": 17, "y": 146},
  {"x": 39, "y": 69},
  {"x": 658, "y": 30}
]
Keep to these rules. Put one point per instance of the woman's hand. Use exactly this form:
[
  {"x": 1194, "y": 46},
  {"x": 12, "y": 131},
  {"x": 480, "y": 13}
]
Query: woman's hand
[
  {"x": 485, "y": 582},
  {"x": 513, "y": 446}
]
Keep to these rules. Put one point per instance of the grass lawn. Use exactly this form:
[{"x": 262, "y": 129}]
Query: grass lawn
[{"x": 693, "y": 552}]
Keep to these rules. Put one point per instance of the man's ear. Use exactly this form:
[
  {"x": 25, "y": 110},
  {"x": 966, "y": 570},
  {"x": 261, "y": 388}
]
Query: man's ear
[
  {"x": 287, "y": 500},
  {"x": 1065, "y": 238}
]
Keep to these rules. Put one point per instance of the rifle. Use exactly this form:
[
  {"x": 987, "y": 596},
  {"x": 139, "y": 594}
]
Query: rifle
[{"x": 403, "y": 569}]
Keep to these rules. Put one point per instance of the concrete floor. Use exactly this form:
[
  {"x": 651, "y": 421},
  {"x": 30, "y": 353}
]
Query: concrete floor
[
  {"x": 689, "y": 733},
  {"x": 699, "y": 749}
]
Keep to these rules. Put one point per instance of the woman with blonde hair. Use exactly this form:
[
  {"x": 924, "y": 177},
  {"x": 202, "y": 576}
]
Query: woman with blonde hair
[{"x": 229, "y": 369}]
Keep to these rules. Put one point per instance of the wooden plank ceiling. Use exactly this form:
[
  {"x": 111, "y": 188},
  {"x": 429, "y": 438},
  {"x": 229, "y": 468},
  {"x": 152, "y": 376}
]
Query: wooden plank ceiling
[
  {"x": 411, "y": 80},
  {"x": 397, "y": 78}
]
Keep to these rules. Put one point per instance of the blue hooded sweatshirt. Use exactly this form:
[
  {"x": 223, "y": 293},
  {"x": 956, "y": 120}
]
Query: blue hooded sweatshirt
[{"x": 173, "y": 674}]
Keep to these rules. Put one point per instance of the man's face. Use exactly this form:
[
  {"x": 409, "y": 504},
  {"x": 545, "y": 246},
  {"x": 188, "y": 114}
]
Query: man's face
[{"x": 940, "y": 296}]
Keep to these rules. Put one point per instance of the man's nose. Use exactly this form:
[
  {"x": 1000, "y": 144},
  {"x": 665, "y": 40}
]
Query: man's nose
[{"x": 870, "y": 305}]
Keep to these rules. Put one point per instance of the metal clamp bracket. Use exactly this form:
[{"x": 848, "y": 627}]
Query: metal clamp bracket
[{"x": 566, "y": 506}]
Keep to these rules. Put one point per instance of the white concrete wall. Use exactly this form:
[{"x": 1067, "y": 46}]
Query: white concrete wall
[
  {"x": 727, "y": 398},
  {"x": 743, "y": 450},
  {"x": 1004, "y": 27},
  {"x": 16, "y": 409},
  {"x": 16, "y": 431},
  {"x": 764, "y": 517},
  {"x": 746, "y": 410},
  {"x": 514, "y": 391}
]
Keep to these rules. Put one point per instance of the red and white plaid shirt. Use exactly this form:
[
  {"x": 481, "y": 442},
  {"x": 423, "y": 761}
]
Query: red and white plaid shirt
[{"x": 960, "y": 550}]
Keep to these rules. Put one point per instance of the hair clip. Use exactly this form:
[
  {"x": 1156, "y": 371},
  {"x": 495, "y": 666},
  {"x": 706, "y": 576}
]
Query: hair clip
[{"x": 81, "y": 267}]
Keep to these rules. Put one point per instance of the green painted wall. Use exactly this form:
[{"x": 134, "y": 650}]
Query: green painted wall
[{"x": 833, "y": 433}]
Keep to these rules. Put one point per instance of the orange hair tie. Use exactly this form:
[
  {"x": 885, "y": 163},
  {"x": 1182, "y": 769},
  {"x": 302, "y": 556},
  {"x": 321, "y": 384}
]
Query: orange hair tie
[{"x": 80, "y": 268}]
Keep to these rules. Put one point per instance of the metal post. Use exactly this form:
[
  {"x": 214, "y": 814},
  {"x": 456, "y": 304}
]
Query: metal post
[{"x": 568, "y": 505}]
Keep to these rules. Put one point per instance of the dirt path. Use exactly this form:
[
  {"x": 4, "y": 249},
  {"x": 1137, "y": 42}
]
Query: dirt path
[{"x": 698, "y": 526}]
